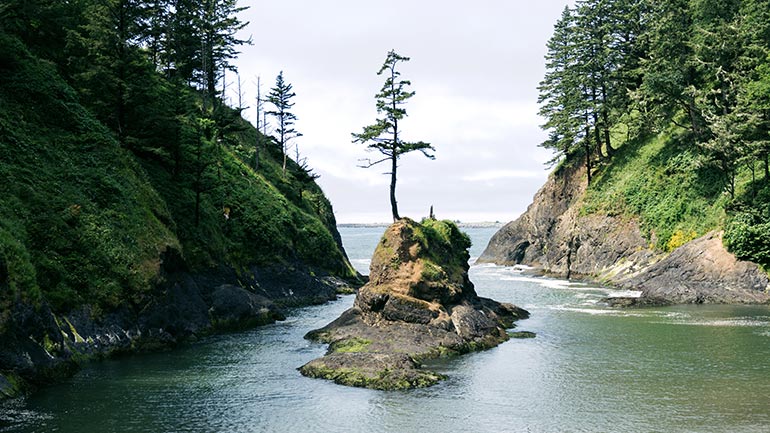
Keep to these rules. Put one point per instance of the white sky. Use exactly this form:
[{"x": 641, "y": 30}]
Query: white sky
[{"x": 475, "y": 67}]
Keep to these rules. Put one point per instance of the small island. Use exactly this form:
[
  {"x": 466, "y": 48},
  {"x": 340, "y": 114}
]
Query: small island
[{"x": 419, "y": 304}]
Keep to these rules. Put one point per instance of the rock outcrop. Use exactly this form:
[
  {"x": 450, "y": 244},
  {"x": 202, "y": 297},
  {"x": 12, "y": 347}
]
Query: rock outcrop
[
  {"x": 554, "y": 236},
  {"x": 419, "y": 304},
  {"x": 701, "y": 271},
  {"x": 38, "y": 347}
]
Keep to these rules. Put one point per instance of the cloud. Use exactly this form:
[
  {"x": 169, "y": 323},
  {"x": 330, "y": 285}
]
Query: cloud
[
  {"x": 475, "y": 67},
  {"x": 487, "y": 176}
]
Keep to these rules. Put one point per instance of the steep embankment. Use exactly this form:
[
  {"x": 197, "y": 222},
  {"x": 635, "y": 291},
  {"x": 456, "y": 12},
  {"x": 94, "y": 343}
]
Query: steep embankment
[
  {"x": 105, "y": 249},
  {"x": 651, "y": 221}
]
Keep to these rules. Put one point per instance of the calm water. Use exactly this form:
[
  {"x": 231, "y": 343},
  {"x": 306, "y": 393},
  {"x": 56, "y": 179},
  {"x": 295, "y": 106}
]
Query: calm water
[{"x": 590, "y": 369}]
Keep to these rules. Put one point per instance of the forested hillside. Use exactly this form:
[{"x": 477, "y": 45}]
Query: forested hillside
[
  {"x": 131, "y": 191},
  {"x": 666, "y": 105}
]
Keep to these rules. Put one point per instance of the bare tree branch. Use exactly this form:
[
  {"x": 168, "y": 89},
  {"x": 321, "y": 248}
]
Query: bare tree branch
[{"x": 369, "y": 162}]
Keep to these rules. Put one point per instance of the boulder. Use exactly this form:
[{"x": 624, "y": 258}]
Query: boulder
[
  {"x": 234, "y": 307},
  {"x": 702, "y": 271},
  {"x": 418, "y": 304}
]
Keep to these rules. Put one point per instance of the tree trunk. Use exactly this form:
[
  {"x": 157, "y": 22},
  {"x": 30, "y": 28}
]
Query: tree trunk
[
  {"x": 587, "y": 144},
  {"x": 282, "y": 121},
  {"x": 606, "y": 121},
  {"x": 259, "y": 131},
  {"x": 767, "y": 166},
  {"x": 394, "y": 157},
  {"x": 393, "y": 203},
  {"x": 256, "y": 153},
  {"x": 598, "y": 138}
]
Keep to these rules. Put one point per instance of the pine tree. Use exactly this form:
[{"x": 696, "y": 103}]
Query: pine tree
[
  {"x": 559, "y": 90},
  {"x": 280, "y": 96},
  {"x": 218, "y": 25},
  {"x": 383, "y": 136}
]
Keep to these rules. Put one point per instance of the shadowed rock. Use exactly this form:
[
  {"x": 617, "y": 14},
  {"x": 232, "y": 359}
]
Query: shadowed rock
[{"x": 419, "y": 304}]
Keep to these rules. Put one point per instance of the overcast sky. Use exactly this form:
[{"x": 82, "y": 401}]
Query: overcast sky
[{"x": 474, "y": 66}]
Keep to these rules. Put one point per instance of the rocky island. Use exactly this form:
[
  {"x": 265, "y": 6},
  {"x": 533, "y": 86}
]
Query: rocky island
[{"x": 418, "y": 304}]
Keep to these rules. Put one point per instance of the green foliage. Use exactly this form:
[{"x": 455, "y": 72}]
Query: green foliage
[
  {"x": 81, "y": 223},
  {"x": 697, "y": 70},
  {"x": 445, "y": 247},
  {"x": 84, "y": 220},
  {"x": 280, "y": 96},
  {"x": 668, "y": 187},
  {"x": 748, "y": 238}
]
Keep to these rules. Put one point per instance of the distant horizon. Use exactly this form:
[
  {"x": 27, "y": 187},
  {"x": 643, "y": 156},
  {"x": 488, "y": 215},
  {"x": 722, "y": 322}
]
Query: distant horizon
[
  {"x": 470, "y": 218},
  {"x": 460, "y": 223}
]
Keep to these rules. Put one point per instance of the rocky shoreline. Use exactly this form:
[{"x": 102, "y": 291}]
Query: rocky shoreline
[
  {"x": 39, "y": 347},
  {"x": 418, "y": 304},
  {"x": 556, "y": 238}
]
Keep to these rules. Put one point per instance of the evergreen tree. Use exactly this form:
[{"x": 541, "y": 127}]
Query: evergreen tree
[
  {"x": 669, "y": 69},
  {"x": 280, "y": 96},
  {"x": 383, "y": 136},
  {"x": 219, "y": 24}
]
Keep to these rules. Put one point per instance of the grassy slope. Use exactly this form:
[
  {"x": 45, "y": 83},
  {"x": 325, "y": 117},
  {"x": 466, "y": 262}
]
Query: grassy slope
[
  {"x": 84, "y": 221},
  {"x": 674, "y": 191},
  {"x": 659, "y": 180}
]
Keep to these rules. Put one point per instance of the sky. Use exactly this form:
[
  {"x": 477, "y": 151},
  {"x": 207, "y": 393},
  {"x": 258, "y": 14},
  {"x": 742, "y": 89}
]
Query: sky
[{"x": 474, "y": 66}]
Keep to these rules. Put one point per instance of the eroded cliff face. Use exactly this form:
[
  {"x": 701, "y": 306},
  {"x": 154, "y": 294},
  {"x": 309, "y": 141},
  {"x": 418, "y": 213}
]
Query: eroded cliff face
[{"x": 555, "y": 237}]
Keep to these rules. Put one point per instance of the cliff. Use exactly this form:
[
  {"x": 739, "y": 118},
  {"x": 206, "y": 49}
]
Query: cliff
[
  {"x": 418, "y": 304},
  {"x": 110, "y": 246},
  {"x": 613, "y": 232}
]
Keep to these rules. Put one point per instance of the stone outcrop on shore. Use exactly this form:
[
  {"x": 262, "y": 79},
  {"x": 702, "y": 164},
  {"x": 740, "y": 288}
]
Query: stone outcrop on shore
[
  {"x": 39, "y": 347},
  {"x": 419, "y": 304},
  {"x": 556, "y": 238}
]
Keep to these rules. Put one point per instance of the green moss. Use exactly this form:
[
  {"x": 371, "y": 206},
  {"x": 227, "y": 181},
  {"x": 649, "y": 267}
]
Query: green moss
[
  {"x": 522, "y": 334},
  {"x": 11, "y": 385},
  {"x": 386, "y": 380},
  {"x": 349, "y": 345}
]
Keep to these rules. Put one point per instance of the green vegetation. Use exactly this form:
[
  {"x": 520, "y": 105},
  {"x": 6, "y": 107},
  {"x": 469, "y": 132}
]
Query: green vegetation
[
  {"x": 386, "y": 379},
  {"x": 667, "y": 105},
  {"x": 674, "y": 195},
  {"x": 349, "y": 345},
  {"x": 444, "y": 247},
  {"x": 118, "y": 157}
]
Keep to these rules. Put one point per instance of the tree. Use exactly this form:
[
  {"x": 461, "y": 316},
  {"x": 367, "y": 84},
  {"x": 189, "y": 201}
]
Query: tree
[
  {"x": 259, "y": 126},
  {"x": 280, "y": 96},
  {"x": 383, "y": 136},
  {"x": 560, "y": 98},
  {"x": 218, "y": 25}
]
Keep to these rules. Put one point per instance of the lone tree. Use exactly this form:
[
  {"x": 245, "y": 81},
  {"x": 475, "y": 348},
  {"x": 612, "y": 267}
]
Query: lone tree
[
  {"x": 280, "y": 96},
  {"x": 383, "y": 136}
]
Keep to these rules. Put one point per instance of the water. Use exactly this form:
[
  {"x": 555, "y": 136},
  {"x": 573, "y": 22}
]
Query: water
[{"x": 590, "y": 369}]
